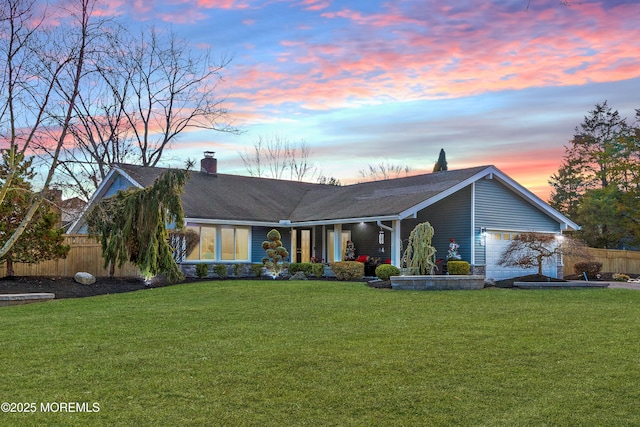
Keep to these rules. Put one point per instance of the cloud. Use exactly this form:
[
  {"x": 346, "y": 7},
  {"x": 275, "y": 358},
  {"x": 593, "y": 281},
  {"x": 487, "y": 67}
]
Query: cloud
[
  {"x": 444, "y": 52},
  {"x": 314, "y": 5}
]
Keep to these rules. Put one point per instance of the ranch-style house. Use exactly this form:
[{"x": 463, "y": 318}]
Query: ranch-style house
[{"x": 480, "y": 207}]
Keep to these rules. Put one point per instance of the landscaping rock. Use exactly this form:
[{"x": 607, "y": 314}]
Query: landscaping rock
[
  {"x": 84, "y": 278},
  {"x": 299, "y": 276},
  {"x": 283, "y": 275}
]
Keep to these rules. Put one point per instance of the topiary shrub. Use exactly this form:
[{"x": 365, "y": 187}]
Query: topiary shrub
[
  {"x": 305, "y": 267},
  {"x": 220, "y": 270},
  {"x": 202, "y": 270},
  {"x": 385, "y": 271},
  {"x": 592, "y": 268},
  {"x": 348, "y": 270},
  {"x": 317, "y": 270},
  {"x": 458, "y": 267},
  {"x": 274, "y": 250}
]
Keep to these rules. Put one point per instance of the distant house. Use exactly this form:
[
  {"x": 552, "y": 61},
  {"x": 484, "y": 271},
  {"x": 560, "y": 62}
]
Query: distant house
[
  {"x": 70, "y": 209},
  {"x": 481, "y": 207}
]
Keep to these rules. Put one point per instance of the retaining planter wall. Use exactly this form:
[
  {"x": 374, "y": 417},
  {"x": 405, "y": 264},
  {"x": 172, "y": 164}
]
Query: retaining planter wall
[{"x": 437, "y": 283}]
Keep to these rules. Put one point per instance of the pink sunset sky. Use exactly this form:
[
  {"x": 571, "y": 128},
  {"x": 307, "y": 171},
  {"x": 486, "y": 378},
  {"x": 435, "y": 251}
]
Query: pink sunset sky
[{"x": 368, "y": 82}]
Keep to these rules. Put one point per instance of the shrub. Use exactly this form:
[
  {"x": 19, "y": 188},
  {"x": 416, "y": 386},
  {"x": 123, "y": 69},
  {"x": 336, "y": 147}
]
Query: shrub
[
  {"x": 305, "y": 267},
  {"x": 274, "y": 250},
  {"x": 458, "y": 267},
  {"x": 317, "y": 270},
  {"x": 202, "y": 270},
  {"x": 348, "y": 270},
  {"x": 592, "y": 268},
  {"x": 256, "y": 269},
  {"x": 220, "y": 270},
  {"x": 621, "y": 277},
  {"x": 385, "y": 271}
]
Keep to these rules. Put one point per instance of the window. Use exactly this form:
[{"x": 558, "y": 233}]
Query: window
[
  {"x": 235, "y": 243},
  {"x": 220, "y": 243},
  {"x": 208, "y": 243}
]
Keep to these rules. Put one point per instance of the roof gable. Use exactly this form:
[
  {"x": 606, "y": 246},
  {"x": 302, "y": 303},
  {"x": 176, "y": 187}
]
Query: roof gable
[{"x": 378, "y": 199}]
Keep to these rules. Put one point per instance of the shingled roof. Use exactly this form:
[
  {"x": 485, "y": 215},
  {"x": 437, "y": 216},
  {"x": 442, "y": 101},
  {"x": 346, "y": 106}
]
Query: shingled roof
[
  {"x": 387, "y": 198},
  {"x": 242, "y": 198},
  {"x": 230, "y": 197},
  {"x": 236, "y": 199}
]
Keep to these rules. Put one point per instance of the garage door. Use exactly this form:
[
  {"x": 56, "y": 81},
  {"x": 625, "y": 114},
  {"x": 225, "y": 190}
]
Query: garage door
[{"x": 497, "y": 241}]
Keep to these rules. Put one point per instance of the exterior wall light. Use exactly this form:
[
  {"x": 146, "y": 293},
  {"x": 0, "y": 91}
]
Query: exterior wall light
[{"x": 483, "y": 236}]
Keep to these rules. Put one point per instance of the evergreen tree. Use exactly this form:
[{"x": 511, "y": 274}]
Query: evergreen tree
[
  {"x": 441, "y": 164},
  {"x": 132, "y": 226},
  {"x": 593, "y": 158},
  {"x": 568, "y": 188},
  {"x": 598, "y": 181},
  {"x": 602, "y": 226},
  {"x": 43, "y": 239}
]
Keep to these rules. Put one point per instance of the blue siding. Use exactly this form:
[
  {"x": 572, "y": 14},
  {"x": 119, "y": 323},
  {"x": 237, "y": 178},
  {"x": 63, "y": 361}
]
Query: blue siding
[
  {"x": 497, "y": 207},
  {"x": 450, "y": 217},
  {"x": 119, "y": 183},
  {"x": 259, "y": 235}
]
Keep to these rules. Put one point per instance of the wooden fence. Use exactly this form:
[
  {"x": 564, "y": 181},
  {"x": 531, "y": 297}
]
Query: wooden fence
[
  {"x": 85, "y": 255},
  {"x": 613, "y": 261}
]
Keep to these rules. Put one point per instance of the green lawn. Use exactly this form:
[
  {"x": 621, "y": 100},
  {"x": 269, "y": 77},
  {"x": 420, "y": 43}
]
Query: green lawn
[{"x": 261, "y": 353}]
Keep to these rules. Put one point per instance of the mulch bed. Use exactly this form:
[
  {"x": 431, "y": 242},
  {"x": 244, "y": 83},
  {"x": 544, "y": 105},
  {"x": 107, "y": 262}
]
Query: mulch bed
[{"x": 66, "y": 287}]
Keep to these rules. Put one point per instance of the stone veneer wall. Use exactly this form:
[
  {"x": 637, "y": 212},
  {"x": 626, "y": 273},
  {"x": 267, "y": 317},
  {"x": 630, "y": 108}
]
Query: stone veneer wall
[
  {"x": 437, "y": 283},
  {"x": 479, "y": 270}
]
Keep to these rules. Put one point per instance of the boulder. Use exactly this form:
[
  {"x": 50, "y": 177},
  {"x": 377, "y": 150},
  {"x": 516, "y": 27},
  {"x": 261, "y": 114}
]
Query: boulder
[
  {"x": 298, "y": 276},
  {"x": 84, "y": 278}
]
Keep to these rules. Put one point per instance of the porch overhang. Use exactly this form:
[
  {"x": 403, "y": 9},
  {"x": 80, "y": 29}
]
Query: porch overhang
[{"x": 342, "y": 221}]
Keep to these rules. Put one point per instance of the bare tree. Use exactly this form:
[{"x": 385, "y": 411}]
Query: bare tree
[
  {"x": 143, "y": 93},
  {"x": 299, "y": 163},
  {"x": 40, "y": 82},
  {"x": 383, "y": 171},
  {"x": 276, "y": 155},
  {"x": 533, "y": 249}
]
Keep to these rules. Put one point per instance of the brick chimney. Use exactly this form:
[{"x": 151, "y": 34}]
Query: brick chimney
[{"x": 209, "y": 164}]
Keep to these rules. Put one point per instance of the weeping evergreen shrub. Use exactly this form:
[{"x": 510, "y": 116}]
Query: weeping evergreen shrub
[
  {"x": 131, "y": 226},
  {"x": 420, "y": 255}
]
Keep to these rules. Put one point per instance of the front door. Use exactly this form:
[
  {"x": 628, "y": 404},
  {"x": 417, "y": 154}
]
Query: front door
[{"x": 303, "y": 245}]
